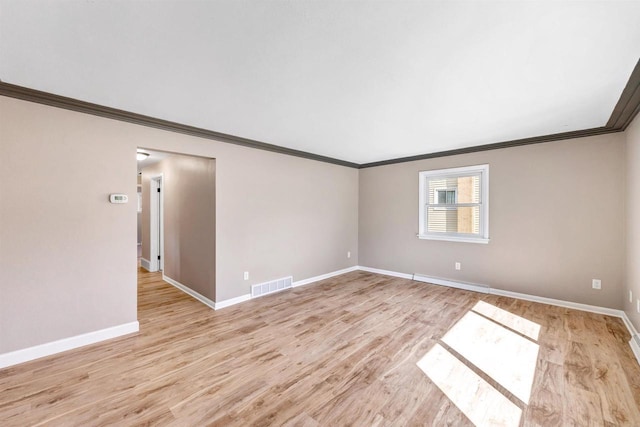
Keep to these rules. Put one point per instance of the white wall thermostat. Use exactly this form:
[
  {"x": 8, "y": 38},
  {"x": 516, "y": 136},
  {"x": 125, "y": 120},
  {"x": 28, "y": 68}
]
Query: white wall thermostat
[{"x": 118, "y": 198}]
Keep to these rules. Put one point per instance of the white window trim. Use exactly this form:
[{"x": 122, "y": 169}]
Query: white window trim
[{"x": 483, "y": 237}]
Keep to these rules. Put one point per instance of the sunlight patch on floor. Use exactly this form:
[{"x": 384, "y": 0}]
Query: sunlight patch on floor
[
  {"x": 476, "y": 398},
  {"x": 519, "y": 324},
  {"x": 476, "y": 343},
  {"x": 505, "y": 356}
]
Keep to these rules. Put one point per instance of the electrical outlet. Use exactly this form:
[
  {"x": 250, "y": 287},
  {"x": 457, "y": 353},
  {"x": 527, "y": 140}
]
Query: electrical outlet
[
  {"x": 348, "y": 254},
  {"x": 596, "y": 284},
  {"x": 246, "y": 275},
  {"x": 458, "y": 266},
  {"x": 630, "y": 295}
]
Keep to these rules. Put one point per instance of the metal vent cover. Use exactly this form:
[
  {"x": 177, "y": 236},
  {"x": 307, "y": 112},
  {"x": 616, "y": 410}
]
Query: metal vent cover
[{"x": 272, "y": 286}]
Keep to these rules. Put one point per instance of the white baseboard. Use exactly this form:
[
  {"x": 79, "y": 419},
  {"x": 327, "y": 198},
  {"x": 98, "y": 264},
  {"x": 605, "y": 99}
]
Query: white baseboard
[
  {"x": 635, "y": 336},
  {"x": 628, "y": 324},
  {"x": 475, "y": 287},
  {"x": 385, "y": 272},
  {"x": 47, "y": 349},
  {"x": 151, "y": 266},
  {"x": 206, "y": 301},
  {"x": 635, "y": 346},
  {"x": 232, "y": 301},
  {"x": 324, "y": 276},
  {"x": 559, "y": 303},
  {"x": 247, "y": 297}
]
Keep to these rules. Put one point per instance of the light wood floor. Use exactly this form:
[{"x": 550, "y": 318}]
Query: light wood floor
[{"x": 359, "y": 349}]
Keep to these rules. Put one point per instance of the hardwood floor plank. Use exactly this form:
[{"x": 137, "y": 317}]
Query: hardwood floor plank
[
  {"x": 578, "y": 368},
  {"x": 612, "y": 388},
  {"x": 581, "y": 408},
  {"x": 545, "y": 407}
]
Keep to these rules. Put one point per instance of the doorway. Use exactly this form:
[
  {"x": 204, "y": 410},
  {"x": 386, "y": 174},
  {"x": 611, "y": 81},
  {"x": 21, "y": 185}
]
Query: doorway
[
  {"x": 156, "y": 223},
  {"x": 151, "y": 209},
  {"x": 178, "y": 220}
]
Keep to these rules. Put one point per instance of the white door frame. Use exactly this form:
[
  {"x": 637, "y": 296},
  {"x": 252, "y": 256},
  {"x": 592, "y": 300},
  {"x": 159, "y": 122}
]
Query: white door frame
[{"x": 156, "y": 222}]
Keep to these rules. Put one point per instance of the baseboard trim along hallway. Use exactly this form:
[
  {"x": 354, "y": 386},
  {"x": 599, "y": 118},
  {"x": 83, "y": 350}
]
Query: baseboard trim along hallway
[
  {"x": 145, "y": 263},
  {"x": 187, "y": 290},
  {"x": 53, "y": 347}
]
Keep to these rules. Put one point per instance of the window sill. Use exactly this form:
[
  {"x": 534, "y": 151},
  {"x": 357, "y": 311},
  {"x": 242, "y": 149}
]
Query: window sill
[{"x": 481, "y": 240}]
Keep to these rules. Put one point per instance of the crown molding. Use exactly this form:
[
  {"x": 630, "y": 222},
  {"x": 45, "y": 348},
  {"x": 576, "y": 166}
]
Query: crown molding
[
  {"x": 623, "y": 114},
  {"x": 628, "y": 105},
  {"x": 626, "y": 109},
  {"x": 496, "y": 146},
  {"x": 40, "y": 97}
]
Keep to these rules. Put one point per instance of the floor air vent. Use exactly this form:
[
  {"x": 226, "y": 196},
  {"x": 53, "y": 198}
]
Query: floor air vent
[{"x": 270, "y": 287}]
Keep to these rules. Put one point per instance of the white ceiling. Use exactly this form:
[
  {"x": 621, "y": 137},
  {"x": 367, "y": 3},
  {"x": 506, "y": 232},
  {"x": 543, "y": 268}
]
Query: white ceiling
[{"x": 360, "y": 81}]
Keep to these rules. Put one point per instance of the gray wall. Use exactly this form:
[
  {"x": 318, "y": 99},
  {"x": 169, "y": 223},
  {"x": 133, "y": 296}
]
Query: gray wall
[
  {"x": 67, "y": 256},
  {"x": 556, "y": 221},
  {"x": 68, "y": 264},
  {"x": 189, "y": 220},
  {"x": 279, "y": 216},
  {"x": 633, "y": 222}
]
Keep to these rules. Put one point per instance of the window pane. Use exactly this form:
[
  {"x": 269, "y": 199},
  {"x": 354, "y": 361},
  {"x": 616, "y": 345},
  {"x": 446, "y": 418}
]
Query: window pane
[
  {"x": 453, "y": 220},
  {"x": 438, "y": 187},
  {"x": 449, "y": 190},
  {"x": 451, "y": 196}
]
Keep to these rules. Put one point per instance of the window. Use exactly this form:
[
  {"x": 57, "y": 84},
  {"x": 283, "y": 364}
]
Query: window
[
  {"x": 454, "y": 204},
  {"x": 445, "y": 197}
]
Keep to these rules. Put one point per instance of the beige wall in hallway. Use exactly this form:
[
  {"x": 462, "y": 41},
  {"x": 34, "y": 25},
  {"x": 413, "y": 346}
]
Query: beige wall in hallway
[
  {"x": 556, "y": 221},
  {"x": 633, "y": 222},
  {"x": 189, "y": 220},
  {"x": 67, "y": 256}
]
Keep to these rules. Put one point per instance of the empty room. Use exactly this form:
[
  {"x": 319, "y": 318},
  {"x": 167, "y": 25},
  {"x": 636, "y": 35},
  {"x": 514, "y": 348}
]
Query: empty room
[{"x": 319, "y": 213}]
